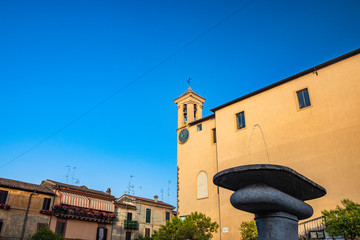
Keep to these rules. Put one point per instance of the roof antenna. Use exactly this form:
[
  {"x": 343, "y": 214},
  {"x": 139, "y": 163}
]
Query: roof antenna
[
  {"x": 169, "y": 191},
  {"x": 67, "y": 175},
  {"x": 130, "y": 186},
  {"x": 77, "y": 181}
]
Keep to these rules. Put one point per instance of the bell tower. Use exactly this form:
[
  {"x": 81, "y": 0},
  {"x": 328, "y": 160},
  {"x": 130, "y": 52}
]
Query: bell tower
[{"x": 189, "y": 106}]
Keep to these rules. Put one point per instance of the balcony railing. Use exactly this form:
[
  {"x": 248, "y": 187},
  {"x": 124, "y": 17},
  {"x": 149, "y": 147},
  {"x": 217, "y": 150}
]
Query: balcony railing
[
  {"x": 82, "y": 214},
  {"x": 131, "y": 225},
  {"x": 312, "y": 229}
]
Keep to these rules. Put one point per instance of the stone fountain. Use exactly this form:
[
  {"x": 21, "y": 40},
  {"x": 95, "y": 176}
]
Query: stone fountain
[{"x": 274, "y": 193}]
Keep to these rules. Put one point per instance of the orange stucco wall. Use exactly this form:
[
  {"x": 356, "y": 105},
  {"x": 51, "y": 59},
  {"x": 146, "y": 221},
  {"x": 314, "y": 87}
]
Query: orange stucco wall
[
  {"x": 81, "y": 229},
  {"x": 321, "y": 142}
]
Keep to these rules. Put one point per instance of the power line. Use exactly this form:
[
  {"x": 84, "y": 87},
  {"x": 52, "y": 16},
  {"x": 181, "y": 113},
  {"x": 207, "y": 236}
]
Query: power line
[{"x": 131, "y": 82}]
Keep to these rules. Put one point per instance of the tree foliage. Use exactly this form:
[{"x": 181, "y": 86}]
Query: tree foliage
[
  {"x": 248, "y": 230},
  {"x": 343, "y": 221},
  {"x": 44, "y": 233},
  {"x": 196, "y": 226}
]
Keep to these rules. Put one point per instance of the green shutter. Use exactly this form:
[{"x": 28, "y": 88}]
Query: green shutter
[{"x": 148, "y": 215}]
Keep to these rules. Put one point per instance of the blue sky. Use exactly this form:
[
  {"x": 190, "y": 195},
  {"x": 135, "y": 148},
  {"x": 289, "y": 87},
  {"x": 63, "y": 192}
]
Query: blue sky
[{"x": 59, "y": 59}]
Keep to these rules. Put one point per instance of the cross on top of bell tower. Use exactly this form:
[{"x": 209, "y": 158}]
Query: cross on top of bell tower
[{"x": 188, "y": 81}]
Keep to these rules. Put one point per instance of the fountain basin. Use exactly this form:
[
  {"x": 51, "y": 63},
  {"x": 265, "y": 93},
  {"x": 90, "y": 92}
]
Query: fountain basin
[
  {"x": 279, "y": 177},
  {"x": 274, "y": 193}
]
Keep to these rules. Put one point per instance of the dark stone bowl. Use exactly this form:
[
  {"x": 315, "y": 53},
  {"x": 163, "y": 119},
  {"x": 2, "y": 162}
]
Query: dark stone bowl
[{"x": 278, "y": 177}]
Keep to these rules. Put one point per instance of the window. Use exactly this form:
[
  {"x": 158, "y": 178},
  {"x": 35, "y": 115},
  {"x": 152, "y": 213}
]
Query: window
[
  {"x": 60, "y": 228},
  {"x": 101, "y": 233},
  {"x": 3, "y": 196},
  {"x": 185, "y": 112},
  {"x": 167, "y": 216},
  {"x": 148, "y": 215},
  {"x": 240, "y": 120},
  {"x": 214, "y": 135},
  {"x": 195, "y": 110},
  {"x": 199, "y": 127},
  {"x": 129, "y": 216},
  {"x": 147, "y": 232},
  {"x": 303, "y": 98},
  {"x": 46, "y": 204},
  {"x": 128, "y": 236},
  {"x": 202, "y": 185}
]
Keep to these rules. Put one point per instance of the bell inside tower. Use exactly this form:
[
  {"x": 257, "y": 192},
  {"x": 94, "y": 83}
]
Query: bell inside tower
[
  {"x": 195, "y": 110},
  {"x": 185, "y": 112}
]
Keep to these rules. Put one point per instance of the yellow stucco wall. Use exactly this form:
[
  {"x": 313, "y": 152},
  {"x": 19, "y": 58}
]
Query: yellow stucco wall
[
  {"x": 13, "y": 219},
  {"x": 196, "y": 155},
  {"x": 19, "y": 199},
  {"x": 158, "y": 217},
  {"x": 321, "y": 142}
]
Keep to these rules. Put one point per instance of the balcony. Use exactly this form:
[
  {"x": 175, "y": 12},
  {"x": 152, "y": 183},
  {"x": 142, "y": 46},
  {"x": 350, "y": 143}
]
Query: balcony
[
  {"x": 82, "y": 214},
  {"x": 131, "y": 225}
]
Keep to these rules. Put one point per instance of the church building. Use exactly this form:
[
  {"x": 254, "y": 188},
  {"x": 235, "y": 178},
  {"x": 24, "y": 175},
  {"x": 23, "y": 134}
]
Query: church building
[{"x": 309, "y": 122}]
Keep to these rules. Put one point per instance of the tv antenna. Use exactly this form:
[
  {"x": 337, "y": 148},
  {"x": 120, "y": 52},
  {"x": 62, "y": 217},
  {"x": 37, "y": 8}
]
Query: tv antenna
[
  {"x": 68, "y": 172},
  {"x": 130, "y": 186},
  {"x": 169, "y": 190},
  {"x": 77, "y": 181}
]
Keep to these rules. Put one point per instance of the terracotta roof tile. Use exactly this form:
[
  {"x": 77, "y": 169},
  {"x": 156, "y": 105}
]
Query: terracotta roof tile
[
  {"x": 4, "y": 182},
  {"x": 149, "y": 200},
  {"x": 55, "y": 184}
]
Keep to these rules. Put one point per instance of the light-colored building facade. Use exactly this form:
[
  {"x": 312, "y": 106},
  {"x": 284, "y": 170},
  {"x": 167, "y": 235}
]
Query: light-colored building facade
[
  {"x": 24, "y": 208},
  {"x": 137, "y": 216},
  {"x": 81, "y": 213},
  {"x": 309, "y": 122}
]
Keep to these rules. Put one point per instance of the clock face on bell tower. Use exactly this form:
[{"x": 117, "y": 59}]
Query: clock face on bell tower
[{"x": 184, "y": 135}]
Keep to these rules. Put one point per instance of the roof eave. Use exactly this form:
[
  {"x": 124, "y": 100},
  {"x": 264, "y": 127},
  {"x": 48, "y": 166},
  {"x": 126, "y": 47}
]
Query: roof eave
[
  {"x": 188, "y": 93},
  {"x": 288, "y": 79},
  {"x": 202, "y": 120}
]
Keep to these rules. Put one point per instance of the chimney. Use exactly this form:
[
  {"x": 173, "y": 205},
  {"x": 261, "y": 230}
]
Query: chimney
[
  {"x": 108, "y": 191},
  {"x": 156, "y": 198}
]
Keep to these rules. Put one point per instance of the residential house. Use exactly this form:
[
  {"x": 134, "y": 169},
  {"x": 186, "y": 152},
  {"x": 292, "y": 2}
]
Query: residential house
[
  {"x": 24, "y": 208},
  {"x": 137, "y": 216},
  {"x": 80, "y": 212}
]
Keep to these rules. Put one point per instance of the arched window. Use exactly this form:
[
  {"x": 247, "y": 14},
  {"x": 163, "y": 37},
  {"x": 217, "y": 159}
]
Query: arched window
[
  {"x": 195, "y": 111},
  {"x": 202, "y": 185},
  {"x": 185, "y": 112}
]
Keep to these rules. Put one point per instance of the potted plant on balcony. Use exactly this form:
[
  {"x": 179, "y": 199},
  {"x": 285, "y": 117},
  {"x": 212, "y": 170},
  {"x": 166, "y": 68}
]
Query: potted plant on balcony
[
  {"x": 46, "y": 212},
  {"x": 4, "y": 206}
]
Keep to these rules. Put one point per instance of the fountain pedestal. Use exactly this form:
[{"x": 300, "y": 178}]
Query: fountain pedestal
[{"x": 275, "y": 194}]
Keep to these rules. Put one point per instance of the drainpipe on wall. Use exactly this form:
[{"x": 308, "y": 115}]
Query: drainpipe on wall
[
  {"x": 53, "y": 203},
  {"x": 112, "y": 225},
  {"x": 26, "y": 216}
]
